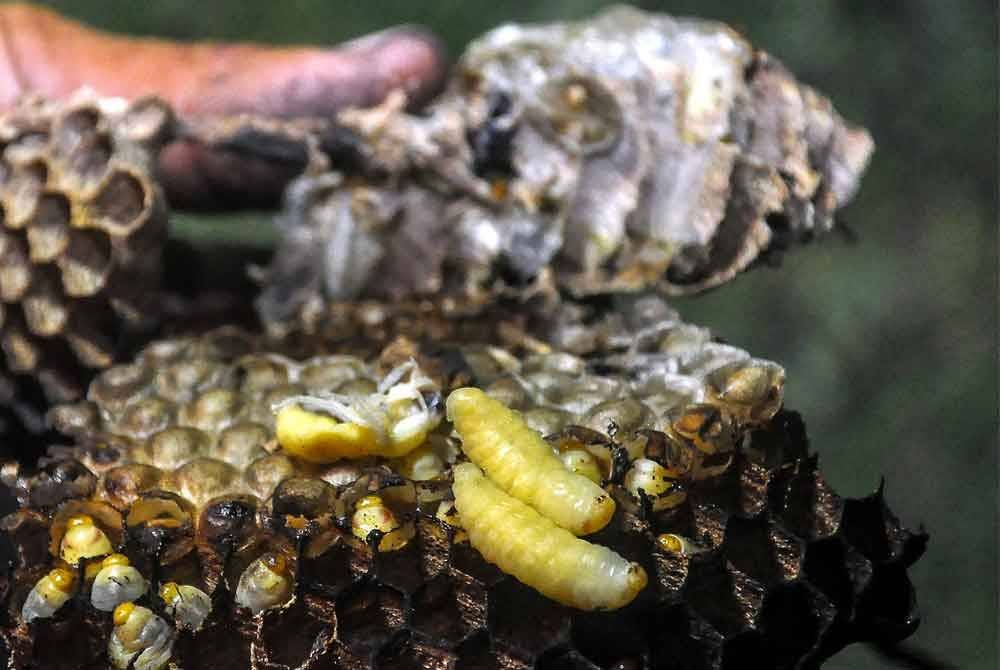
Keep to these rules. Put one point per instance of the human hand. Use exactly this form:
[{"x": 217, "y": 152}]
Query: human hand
[{"x": 47, "y": 54}]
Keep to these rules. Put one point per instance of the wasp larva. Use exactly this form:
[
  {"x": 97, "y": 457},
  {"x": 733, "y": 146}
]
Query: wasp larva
[
  {"x": 117, "y": 582},
  {"x": 371, "y": 514},
  {"x": 49, "y": 594},
  {"x": 140, "y": 640},
  {"x": 525, "y": 544},
  {"x": 83, "y": 539},
  {"x": 649, "y": 478},
  {"x": 521, "y": 463},
  {"x": 266, "y": 583},
  {"x": 677, "y": 544},
  {"x": 391, "y": 422},
  {"x": 188, "y": 605}
]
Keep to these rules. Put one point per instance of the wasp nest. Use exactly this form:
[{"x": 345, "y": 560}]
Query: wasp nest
[
  {"x": 83, "y": 224},
  {"x": 300, "y": 546},
  {"x": 625, "y": 151}
]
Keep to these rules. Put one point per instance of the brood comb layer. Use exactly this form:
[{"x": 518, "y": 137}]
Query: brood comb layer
[
  {"x": 174, "y": 459},
  {"x": 83, "y": 223}
]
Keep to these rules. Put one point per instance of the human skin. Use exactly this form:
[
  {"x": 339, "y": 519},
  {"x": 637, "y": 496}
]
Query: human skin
[{"x": 43, "y": 52}]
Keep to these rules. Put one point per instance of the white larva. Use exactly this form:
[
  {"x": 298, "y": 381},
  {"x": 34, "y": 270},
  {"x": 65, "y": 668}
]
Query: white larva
[
  {"x": 188, "y": 605},
  {"x": 654, "y": 481},
  {"x": 49, "y": 594},
  {"x": 141, "y": 640},
  {"x": 83, "y": 540},
  {"x": 677, "y": 544},
  {"x": 266, "y": 583},
  {"x": 117, "y": 582},
  {"x": 525, "y": 544},
  {"x": 521, "y": 463}
]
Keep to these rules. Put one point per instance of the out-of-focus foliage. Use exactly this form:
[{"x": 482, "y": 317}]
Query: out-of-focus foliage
[{"x": 889, "y": 343}]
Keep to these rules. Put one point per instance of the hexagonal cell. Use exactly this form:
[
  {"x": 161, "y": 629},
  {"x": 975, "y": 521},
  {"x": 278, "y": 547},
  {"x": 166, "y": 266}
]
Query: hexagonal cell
[
  {"x": 201, "y": 479},
  {"x": 225, "y": 637},
  {"x": 88, "y": 161},
  {"x": 160, "y": 524},
  {"x": 297, "y": 636},
  {"x": 725, "y": 598},
  {"x": 609, "y": 638},
  {"x": 211, "y": 410},
  {"x": 15, "y": 267},
  {"x": 145, "y": 416},
  {"x": 88, "y": 335},
  {"x": 23, "y": 353},
  {"x": 228, "y": 521},
  {"x": 369, "y": 614},
  {"x": 525, "y": 620},
  {"x": 60, "y": 480},
  {"x": 121, "y": 486},
  {"x": 449, "y": 608},
  {"x": 171, "y": 448},
  {"x": 163, "y": 352},
  {"x": 225, "y": 344},
  {"x": 147, "y": 121},
  {"x": 306, "y": 497},
  {"x": 256, "y": 373},
  {"x": 792, "y": 620},
  {"x": 400, "y": 569},
  {"x": 241, "y": 444},
  {"x": 260, "y": 411},
  {"x": 405, "y": 653},
  {"x": 329, "y": 372},
  {"x": 264, "y": 474},
  {"x": 181, "y": 380},
  {"x": 86, "y": 262},
  {"x": 681, "y": 639},
  {"x": 121, "y": 202},
  {"x": 48, "y": 233},
  {"x": 761, "y": 549},
  {"x": 478, "y": 653},
  {"x": 119, "y": 386},
  {"x": 805, "y": 502},
  {"x": 22, "y": 191},
  {"x": 334, "y": 570},
  {"x": 75, "y": 128},
  {"x": 46, "y": 312},
  {"x": 837, "y": 570}
]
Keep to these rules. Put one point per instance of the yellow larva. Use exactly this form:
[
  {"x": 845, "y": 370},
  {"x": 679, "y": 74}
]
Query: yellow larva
[
  {"x": 549, "y": 559},
  {"x": 521, "y": 463},
  {"x": 391, "y": 422}
]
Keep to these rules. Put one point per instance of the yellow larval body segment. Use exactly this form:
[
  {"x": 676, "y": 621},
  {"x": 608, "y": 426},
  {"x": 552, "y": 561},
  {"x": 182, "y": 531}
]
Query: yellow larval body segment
[
  {"x": 525, "y": 544},
  {"x": 521, "y": 463},
  {"x": 318, "y": 438}
]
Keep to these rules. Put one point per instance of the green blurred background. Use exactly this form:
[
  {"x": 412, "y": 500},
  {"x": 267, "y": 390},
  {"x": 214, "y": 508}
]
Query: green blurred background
[{"x": 890, "y": 344}]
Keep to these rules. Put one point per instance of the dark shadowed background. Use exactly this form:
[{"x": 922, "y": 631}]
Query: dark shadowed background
[{"x": 890, "y": 343}]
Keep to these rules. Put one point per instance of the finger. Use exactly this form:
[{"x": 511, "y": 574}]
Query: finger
[{"x": 45, "y": 53}]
